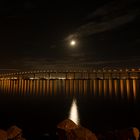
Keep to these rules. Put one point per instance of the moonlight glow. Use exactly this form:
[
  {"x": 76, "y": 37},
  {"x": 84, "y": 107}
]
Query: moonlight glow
[
  {"x": 74, "y": 113},
  {"x": 73, "y": 43}
]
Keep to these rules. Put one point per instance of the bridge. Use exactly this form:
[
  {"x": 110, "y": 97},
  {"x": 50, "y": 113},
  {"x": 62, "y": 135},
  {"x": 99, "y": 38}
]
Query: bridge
[{"x": 63, "y": 72}]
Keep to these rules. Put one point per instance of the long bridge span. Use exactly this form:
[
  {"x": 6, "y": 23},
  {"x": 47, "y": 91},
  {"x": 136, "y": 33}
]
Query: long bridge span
[{"x": 63, "y": 72}]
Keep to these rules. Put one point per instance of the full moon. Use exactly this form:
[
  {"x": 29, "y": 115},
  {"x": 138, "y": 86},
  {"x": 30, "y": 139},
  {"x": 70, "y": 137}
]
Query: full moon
[{"x": 73, "y": 43}]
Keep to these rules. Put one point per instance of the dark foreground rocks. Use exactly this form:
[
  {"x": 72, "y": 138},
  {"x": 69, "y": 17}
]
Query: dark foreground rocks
[
  {"x": 13, "y": 133},
  {"x": 68, "y": 130},
  {"x": 3, "y": 135},
  {"x": 123, "y": 134}
]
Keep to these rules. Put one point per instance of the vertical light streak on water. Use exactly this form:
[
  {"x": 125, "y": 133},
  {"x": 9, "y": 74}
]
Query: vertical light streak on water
[
  {"x": 37, "y": 87},
  {"x": 14, "y": 83},
  {"x": 51, "y": 86},
  {"x": 48, "y": 87},
  {"x": 6, "y": 86},
  {"x": 0, "y": 85},
  {"x": 110, "y": 87},
  {"x": 25, "y": 87},
  {"x": 3, "y": 86},
  {"x": 100, "y": 87},
  {"x": 134, "y": 88},
  {"x": 8, "y": 90},
  {"x": 17, "y": 87},
  {"x": 34, "y": 87},
  {"x": 74, "y": 115},
  {"x": 45, "y": 87},
  {"x": 105, "y": 88},
  {"x": 128, "y": 88},
  {"x": 122, "y": 88},
  {"x": 22, "y": 86},
  {"x": 31, "y": 87},
  {"x": 115, "y": 87}
]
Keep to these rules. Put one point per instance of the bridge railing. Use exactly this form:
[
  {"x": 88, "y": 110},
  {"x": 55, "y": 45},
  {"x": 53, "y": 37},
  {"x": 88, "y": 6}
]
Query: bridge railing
[{"x": 74, "y": 74}]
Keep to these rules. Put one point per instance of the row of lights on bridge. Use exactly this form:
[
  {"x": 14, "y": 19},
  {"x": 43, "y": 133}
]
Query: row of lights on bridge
[{"x": 104, "y": 70}]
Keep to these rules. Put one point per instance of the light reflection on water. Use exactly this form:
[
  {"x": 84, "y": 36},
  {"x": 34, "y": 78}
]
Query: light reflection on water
[
  {"x": 45, "y": 104},
  {"x": 74, "y": 115},
  {"x": 107, "y": 88}
]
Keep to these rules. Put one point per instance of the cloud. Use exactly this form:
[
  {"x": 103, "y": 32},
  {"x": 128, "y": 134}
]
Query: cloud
[{"x": 108, "y": 17}]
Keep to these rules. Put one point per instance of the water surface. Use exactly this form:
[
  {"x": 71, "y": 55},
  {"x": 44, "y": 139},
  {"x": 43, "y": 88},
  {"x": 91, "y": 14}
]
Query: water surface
[{"x": 37, "y": 106}]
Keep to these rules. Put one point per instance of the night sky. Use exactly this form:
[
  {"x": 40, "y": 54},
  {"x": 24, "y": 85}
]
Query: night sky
[{"x": 38, "y": 32}]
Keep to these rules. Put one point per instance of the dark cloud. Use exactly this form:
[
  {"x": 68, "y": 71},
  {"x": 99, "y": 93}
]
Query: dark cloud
[
  {"x": 33, "y": 32},
  {"x": 110, "y": 16},
  {"x": 43, "y": 64}
]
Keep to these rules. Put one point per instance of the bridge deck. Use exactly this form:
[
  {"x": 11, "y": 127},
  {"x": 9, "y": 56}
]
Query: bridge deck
[{"x": 74, "y": 74}]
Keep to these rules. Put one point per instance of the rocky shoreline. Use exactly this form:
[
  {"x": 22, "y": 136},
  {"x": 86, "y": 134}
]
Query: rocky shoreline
[
  {"x": 68, "y": 130},
  {"x": 12, "y": 133}
]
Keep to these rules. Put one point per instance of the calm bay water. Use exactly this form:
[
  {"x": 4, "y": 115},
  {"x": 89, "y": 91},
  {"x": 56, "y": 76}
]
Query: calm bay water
[{"x": 37, "y": 106}]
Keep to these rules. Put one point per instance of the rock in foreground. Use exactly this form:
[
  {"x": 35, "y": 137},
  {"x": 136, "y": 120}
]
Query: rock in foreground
[
  {"x": 68, "y": 130},
  {"x": 13, "y": 133},
  {"x": 3, "y": 135}
]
